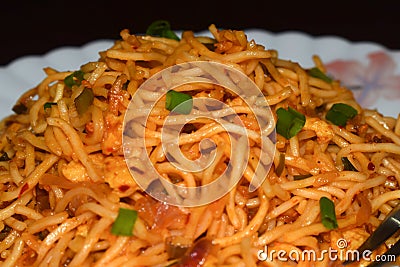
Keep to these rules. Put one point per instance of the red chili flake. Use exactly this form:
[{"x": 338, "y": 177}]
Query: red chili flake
[
  {"x": 371, "y": 166},
  {"x": 123, "y": 188},
  {"x": 24, "y": 188}
]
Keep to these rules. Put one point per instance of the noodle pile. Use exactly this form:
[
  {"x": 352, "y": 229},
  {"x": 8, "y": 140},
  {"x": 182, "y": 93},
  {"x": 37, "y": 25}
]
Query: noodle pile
[{"x": 64, "y": 178}]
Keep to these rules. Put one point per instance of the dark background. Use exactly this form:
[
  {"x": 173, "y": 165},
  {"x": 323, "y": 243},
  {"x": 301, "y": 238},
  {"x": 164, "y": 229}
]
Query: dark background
[{"x": 35, "y": 27}]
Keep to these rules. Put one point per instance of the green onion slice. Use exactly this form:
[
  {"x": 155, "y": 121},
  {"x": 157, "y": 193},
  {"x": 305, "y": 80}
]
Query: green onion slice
[
  {"x": 328, "y": 215},
  {"x": 48, "y": 105},
  {"x": 340, "y": 113},
  {"x": 178, "y": 102},
  {"x": 84, "y": 100},
  {"x": 317, "y": 73},
  {"x": 161, "y": 28},
  {"x": 123, "y": 224},
  {"x": 290, "y": 122},
  {"x": 74, "y": 79}
]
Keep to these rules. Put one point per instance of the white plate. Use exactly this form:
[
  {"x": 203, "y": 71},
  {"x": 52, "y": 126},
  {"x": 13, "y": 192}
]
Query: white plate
[{"x": 369, "y": 67}]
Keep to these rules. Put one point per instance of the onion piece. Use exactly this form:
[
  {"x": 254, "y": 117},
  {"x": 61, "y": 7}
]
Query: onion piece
[
  {"x": 365, "y": 210},
  {"x": 197, "y": 255},
  {"x": 59, "y": 181}
]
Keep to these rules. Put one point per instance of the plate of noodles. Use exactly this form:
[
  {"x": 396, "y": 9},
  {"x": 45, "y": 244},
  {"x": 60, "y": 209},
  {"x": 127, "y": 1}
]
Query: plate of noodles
[{"x": 95, "y": 171}]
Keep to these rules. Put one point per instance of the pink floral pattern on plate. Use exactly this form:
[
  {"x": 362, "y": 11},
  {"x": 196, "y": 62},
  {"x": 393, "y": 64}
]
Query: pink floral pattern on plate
[{"x": 368, "y": 82}]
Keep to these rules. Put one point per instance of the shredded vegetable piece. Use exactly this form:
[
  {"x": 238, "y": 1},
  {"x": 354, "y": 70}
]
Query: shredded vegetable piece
[
  {"x": 281, "y": 165},
  {"x": 84, "y": 100},
  {"x": 328, "y": 215},
  {"x": 347, "y": 166},
  {"x": 124, "y": 223},
  {"x": 48, "y": 105},
  {"x": 301, "y": 176},
  {"x": 178, "y": 102},
  {"x": 317, "y": 73},
  {"x": 290, "y": 122},
  {"x": 74, "y": 79},
  {"x": 340, "y": 113},
  {"x": 19, "y": 108},
  {"x": 161, "y": 28}
]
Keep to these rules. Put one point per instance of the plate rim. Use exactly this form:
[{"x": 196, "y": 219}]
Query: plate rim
[{"x": 92, "y": 48}]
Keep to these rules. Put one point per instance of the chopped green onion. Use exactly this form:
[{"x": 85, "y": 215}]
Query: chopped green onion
[
  {"x": 290, "y": 122},
  {"x": 84, "y": 100},
  {"x": 74, "y": 79},
  {"x": 124, "y": 222},
  {"x": 4, "y": 157},
  {"x": 317, "y": 73},
  {"x": 347, "y": 166},
  {"x": 328, "y": 215},
  {"x": 340, "y": 113},
  {"x": 281, "y": 165},
  {"x": 48, "y": 105},
  {"x": 161, "y": 28},
  {"x": 301, "y": 176},
  {"x": 178, "y": 102}
]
